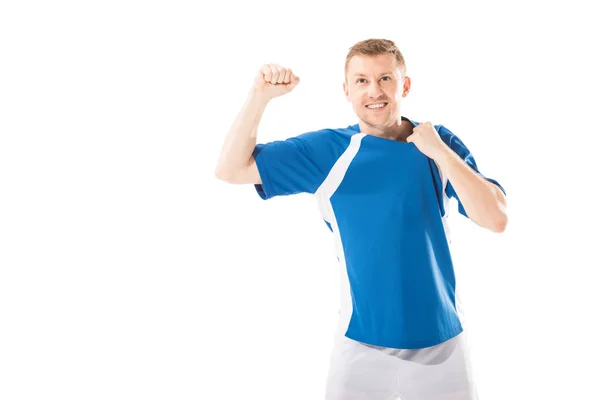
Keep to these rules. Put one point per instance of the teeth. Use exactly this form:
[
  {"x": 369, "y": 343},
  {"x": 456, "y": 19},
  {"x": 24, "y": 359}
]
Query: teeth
[{"x": 376, "y": 105}]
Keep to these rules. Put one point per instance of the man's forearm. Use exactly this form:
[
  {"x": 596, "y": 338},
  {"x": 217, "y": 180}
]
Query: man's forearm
[
  {"x": 240, "y": 141},
  {"x": 484, "y": 202}
]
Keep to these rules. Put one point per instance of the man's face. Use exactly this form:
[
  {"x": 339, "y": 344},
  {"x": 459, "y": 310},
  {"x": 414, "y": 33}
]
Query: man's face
[{"x": 373, "y": 81}]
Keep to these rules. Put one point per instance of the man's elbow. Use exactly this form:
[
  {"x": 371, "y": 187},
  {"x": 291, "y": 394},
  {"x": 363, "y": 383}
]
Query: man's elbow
[
  {"x": 220, "y": 175},
  {"x": 227, "y": 175},
  {"x": 246, "y": 175},
  {"x": 500, "y": 219},
  {"x": 498, "y": 225},
  {"x": 495, "y": 222}
]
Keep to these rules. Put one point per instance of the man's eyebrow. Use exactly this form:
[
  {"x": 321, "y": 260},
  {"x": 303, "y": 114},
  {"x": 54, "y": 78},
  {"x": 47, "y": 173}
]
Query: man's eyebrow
[{"x": 385, "y": 73}]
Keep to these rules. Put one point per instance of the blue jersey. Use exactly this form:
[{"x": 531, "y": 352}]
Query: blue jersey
[{"x": 386, "y": 204}]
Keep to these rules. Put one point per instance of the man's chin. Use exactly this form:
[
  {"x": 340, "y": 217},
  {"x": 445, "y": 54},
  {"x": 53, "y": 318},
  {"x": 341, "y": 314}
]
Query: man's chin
[{"x": 377, "y": 123}]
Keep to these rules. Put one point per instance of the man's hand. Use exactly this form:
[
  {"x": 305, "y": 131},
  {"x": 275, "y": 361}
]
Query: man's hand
[
  {"x": 273, "y": 80},
  {"x": 427, "y": 140},
  {"x": 483, "y": 201}
]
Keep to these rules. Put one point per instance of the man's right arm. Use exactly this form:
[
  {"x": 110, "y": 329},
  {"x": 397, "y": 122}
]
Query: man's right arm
[{"x": 236, "y": 163}]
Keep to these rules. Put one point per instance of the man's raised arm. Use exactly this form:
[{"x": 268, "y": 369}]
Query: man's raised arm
[{"x": 236, "y": 164}]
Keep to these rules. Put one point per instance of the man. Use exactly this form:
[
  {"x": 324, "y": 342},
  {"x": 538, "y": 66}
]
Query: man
[{"x": 383, "y": 187}]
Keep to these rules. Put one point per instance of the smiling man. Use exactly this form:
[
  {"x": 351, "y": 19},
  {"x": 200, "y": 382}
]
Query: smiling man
[{"x": 383, "y": 187}]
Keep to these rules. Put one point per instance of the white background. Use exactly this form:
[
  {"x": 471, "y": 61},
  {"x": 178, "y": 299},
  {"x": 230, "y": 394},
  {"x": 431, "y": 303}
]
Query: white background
[{"x": 127, "y": 271}]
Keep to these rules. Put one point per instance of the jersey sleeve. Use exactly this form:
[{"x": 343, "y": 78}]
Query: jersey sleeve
[
  {"x": 461, "y": 149},
  {"x": 291, "y": 166}
]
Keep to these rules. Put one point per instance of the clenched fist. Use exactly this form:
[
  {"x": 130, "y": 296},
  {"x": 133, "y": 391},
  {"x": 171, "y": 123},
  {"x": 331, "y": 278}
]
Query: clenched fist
[
  {"x": 427, "y": 140},
  {"x": 273, "y": 80}
]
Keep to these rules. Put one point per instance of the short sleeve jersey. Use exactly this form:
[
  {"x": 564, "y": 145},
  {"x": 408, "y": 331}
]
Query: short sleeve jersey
[{"x": 386, "y": 204}]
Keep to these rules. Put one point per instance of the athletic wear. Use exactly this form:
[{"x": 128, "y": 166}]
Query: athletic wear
[
  {"x": 386, "y": 204},
  {"x": 441, "y": 372}
]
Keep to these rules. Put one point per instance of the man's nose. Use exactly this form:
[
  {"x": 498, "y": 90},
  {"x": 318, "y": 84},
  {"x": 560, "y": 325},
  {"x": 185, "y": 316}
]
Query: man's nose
[{"x": 375, "y": 90}]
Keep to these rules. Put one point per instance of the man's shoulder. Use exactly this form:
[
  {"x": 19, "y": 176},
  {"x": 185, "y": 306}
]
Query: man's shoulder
[
  {"x": 347, "y": 130},
  {"x": 338, "y": 134},
  {"x": 446, "y": 134}
]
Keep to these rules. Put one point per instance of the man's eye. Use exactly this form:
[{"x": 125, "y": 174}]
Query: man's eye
[
  {"x": 386, "y": 77},
  {"x": 360, "y": 80}
]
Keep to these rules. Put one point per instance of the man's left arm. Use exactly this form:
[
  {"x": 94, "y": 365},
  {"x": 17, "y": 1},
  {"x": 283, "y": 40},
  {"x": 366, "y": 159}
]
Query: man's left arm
[{"x": 483, "y": 201}]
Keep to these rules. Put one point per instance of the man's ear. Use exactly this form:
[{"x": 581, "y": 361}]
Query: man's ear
[
  {"x": 346, "y": 91},
  {"x": 406, "y": 87}
]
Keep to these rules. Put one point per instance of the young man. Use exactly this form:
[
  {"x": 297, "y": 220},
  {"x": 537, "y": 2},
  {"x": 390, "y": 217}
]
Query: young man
[{"x": 383, "y": 187}]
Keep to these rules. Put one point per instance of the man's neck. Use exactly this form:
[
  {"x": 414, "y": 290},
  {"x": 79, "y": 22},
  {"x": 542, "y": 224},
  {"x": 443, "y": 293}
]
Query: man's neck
[{"x": 399, "y": 131}]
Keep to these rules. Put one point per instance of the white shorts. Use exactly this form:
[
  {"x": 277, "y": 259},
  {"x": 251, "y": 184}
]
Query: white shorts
[{"x": 363, "y": 372}]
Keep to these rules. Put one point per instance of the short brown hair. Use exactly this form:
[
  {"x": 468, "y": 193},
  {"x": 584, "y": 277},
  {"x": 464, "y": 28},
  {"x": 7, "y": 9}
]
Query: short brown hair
[{"x": 375, "y": 47}]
